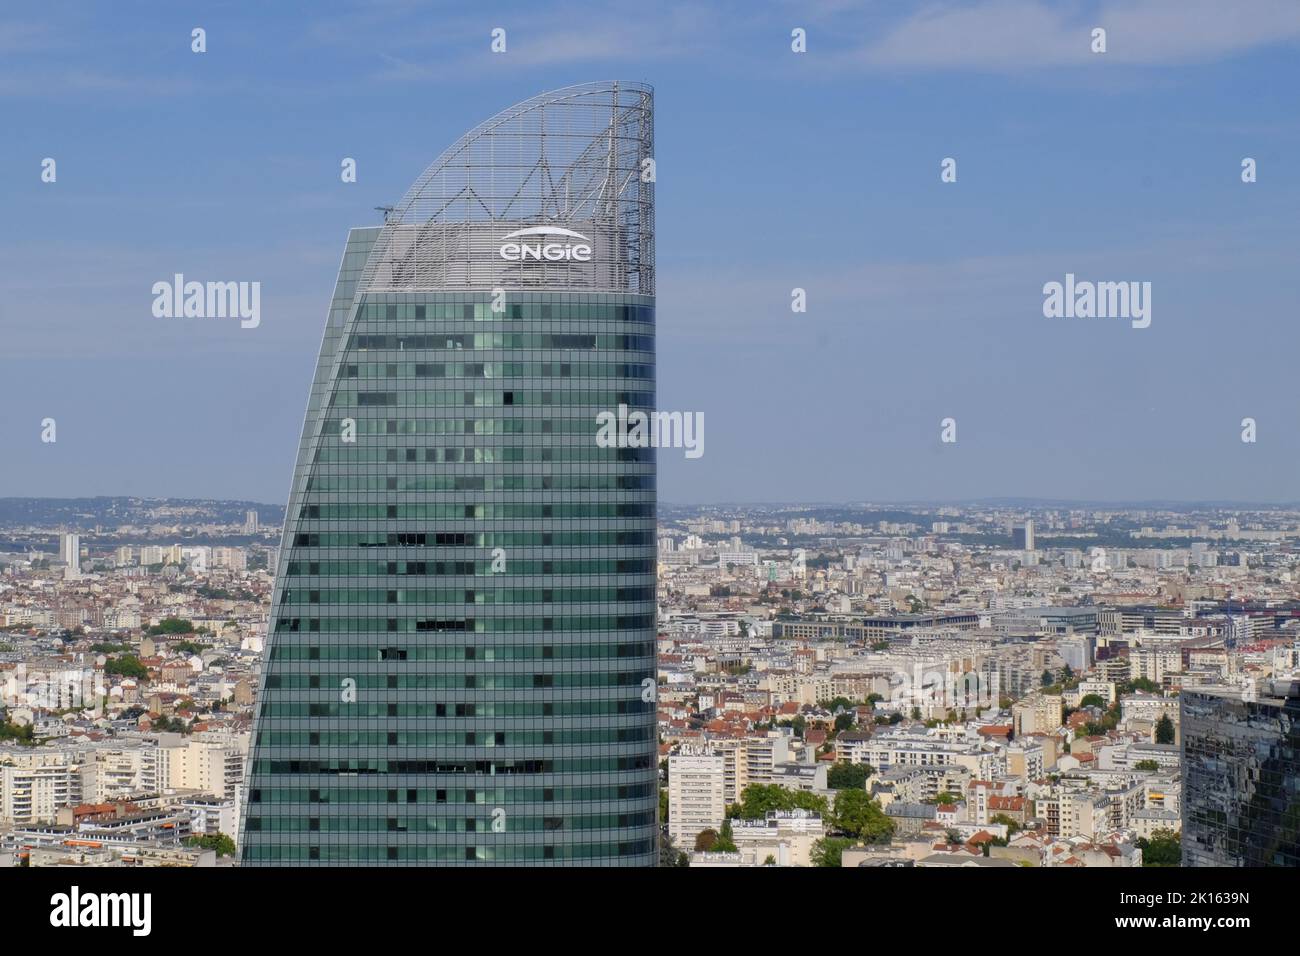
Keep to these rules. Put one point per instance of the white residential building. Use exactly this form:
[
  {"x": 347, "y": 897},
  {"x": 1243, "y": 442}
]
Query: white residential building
[{"x": 695, "y": 796}]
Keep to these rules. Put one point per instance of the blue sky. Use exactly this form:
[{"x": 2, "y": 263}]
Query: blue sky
[{"x": 775, "y": 170}]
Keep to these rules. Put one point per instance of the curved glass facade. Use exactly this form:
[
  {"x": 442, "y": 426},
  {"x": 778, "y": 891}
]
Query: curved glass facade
[{"x": 461, "y": 652}]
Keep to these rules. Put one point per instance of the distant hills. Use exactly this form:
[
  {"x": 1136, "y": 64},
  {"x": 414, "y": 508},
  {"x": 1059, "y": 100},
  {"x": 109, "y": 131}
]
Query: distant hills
[{"x": 113, "y": 512}]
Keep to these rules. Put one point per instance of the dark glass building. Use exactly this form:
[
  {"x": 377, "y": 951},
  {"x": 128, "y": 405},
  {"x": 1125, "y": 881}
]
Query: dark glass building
[
  {"x": 1241, "y": 776},
  {"x": 460, "y": 663}
]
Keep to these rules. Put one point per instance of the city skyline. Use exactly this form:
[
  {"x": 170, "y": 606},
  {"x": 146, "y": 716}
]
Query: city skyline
[
  {"x": 983, "y": 700},
  {"x": 356, "y": 358}
]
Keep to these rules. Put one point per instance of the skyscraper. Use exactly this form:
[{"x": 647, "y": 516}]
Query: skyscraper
[
  {"x": 70, "y": 553},
  {"x": 1022, "y": 539},
  {"x": 1241, "y": 776},
  {"x": 460, "y": 664}
]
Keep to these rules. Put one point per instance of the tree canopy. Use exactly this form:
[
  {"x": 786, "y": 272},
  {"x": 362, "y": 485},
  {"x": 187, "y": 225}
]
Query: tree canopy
[
  {"x": 1165, "y": 848},
  {"x": 128, "y": 665},
  {"x": 1164, "y": 730},
  {"x": 829, "y": 851},
  {"x": 843, "y": 775},
  {"x": 223, "y": 844},
  {"x": 757, "y": 799},
  {"x": 858, "y": 816}
]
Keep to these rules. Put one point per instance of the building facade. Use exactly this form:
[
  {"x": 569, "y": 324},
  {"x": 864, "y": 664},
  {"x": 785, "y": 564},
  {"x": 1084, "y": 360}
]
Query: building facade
[
  {"x": 696, "y": 796},
  {"x": 1241, "y": 776},
  {"x": 460, "y": 666}
]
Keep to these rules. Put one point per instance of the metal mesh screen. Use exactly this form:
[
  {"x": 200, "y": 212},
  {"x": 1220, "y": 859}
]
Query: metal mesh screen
[{"x": 570, "y": 159}]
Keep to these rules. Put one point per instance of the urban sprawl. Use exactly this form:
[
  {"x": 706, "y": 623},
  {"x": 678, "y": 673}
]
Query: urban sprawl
[{"x": 977, "y": 686}]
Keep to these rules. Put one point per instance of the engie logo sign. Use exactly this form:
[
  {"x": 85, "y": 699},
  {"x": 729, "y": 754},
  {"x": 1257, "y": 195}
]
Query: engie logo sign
[{"x": 549, "y": 243}]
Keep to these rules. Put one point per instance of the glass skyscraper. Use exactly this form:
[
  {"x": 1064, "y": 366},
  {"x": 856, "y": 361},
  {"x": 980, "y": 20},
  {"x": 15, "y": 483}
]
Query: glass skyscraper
[
  {"x": 461, "y": 660},
  {"x": 1241, "y": 776}
]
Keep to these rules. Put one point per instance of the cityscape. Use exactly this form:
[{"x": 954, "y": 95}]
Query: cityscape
[
  {"x": 979, "y": 685},
  {"x": 443, "y": 442}
]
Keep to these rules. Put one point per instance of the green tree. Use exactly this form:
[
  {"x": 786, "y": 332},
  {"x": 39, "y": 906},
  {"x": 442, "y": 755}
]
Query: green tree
[
  {"x": 1143, "y": 684},
  {"x": 857, "y": 815},
  {"x": 1092, "y": 700},
  {"x": 843, "y": 775},
  {"x": 1146, "y": 765},
  {"x": 798, "y": 723},
  {"x": 23, "y": 734},
  {"x": 128, "y": 665},
  {"x": 757, "y": 799},
  {"x": 1012, "y": 826},
  {"x": 173, "y": 725},
  {"x": 829, "y": 851},
  {"x": 1165, "y": 848},
  {"x": 172, "y": 625},
  {"x": 725, "y": 843},
  {"x": 835, "y": 703},
  {"x": 1164, "y": 730},
  {"x": 1108, "y": 722},
  {"x": 663, "y": 806},
  {"x": 223, "y": 844},
  {"x": 669, "y": 855},
  {"x": 706, "y": 840}
]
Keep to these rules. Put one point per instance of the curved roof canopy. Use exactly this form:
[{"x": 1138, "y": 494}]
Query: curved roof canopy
[{"x": 571, "y": 163}]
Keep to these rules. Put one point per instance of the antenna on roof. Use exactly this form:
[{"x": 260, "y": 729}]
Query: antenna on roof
[{"x": 386, "y": 210}]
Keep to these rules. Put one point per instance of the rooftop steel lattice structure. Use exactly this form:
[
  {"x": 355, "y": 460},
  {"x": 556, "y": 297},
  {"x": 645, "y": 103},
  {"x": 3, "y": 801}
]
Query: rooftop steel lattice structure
[{"x": 572, "y": 159}]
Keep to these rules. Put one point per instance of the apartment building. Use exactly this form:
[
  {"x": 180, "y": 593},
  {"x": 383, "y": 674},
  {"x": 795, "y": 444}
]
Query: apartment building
[
  {"x": 695, "y": 795},
  {"x": 983, "y": 761},
  {"x": 1075, "y": 813},
  {"x": 1039, "y": 714},
  {"x": 35, "y": 784},
  {"x": 1026, "y": 759}
]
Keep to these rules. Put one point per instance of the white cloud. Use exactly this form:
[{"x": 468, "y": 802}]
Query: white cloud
[{"x": 1014, "y": 35}]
